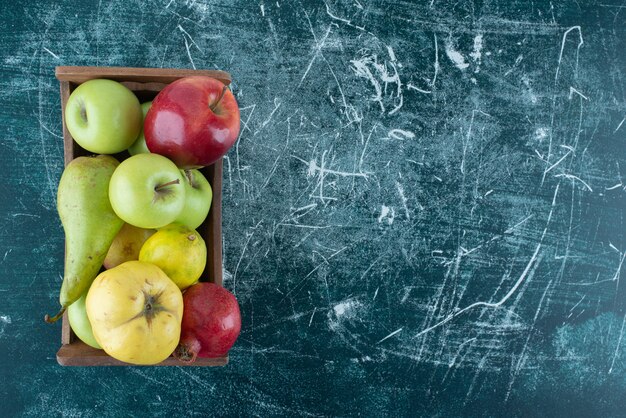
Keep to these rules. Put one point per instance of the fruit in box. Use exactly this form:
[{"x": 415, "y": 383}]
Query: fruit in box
[
  {"x": 211, "y": 322},
  {"x": 77, "y": 315},
  {"x": 126, "y": 245},
  {"x": 147, "y": 191},
  {"x": 198, "y": 197},
  {"x": 193, "y": 121},
  {"x": 103, "y": 116},
  {"x": 179, "y": 251},
  {"x": 139, "y": 146},
  {"x": 89, "y": 223},
  {"x": 135, "y": 312}
]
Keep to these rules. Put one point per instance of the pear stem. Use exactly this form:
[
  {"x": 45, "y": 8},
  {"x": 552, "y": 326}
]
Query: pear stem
[
  {"x": 169, "y": 183},
  {"x": 55, "y": 317},
  {"x": 214, "y": 105}
]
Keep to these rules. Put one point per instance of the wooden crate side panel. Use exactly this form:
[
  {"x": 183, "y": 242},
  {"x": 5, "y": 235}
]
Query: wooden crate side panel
[
  {"x": 80, "y": 354},
  {"x": 158, "y": 75}
]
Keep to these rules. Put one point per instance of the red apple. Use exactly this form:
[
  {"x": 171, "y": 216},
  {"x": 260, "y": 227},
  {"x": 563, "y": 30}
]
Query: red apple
[{"x": 193, "y": 121}]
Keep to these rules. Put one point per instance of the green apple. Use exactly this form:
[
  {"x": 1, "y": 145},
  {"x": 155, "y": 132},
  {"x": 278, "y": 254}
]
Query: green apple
[
  {"x": 198, "y": 197},
  {"x": 77, "y": 314},
  {"x": 139, "y": 146},
  {"x": 103, "y": 116},
  {"x": 147, "y": 191}
]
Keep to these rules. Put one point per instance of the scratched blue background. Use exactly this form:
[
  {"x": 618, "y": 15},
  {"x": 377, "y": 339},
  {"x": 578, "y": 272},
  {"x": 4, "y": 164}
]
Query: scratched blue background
[{"x": 424, "y": 213}]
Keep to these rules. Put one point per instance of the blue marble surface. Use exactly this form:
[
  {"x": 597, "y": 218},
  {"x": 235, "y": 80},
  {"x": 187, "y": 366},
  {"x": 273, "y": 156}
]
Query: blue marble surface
[{"x": 423, "y": 215}]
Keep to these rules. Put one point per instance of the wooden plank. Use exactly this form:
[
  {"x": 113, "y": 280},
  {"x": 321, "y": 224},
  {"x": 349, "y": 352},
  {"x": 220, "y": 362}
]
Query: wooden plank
[
  {"x": 68, "y": 155},
  {"x": 68, "y": 141},
  {"x": 80, "y": 354},
  {"x": 137, "y": 86},
  {"x": 159, "y": 75},
  {"x": 67, "y": 335},
  {"x": 214, "y": 228}
]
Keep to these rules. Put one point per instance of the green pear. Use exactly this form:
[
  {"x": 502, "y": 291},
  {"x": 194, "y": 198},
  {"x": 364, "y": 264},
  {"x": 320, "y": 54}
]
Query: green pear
[{"x": 89, "y": 222}]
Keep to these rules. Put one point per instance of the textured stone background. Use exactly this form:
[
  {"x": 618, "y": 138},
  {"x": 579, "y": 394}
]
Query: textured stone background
[{"x": 424, "y": 213}]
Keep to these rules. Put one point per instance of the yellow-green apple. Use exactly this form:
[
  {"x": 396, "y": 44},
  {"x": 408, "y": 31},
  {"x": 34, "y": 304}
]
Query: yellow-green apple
[
  {"x": 103, "y": 116},
  {"x": 126, "y": 245},
  {"x": 198, "y": 197},
  {"x": 147, "y": 191},
  {"x": 77, "y": 314},
  {"x": 193, "y": 121},
  {"x": 139, "y": 146}
]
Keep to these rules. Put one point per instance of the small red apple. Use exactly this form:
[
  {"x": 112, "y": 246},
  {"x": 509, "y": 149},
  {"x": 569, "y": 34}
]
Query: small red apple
[{"x": 193, "y": 121}]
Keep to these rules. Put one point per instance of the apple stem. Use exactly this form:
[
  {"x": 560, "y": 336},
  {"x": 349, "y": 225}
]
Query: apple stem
[
  {"x": 169, "y": 183},
  {"x": 214, "y": 105},
  {"x": 190, "y": 177}
]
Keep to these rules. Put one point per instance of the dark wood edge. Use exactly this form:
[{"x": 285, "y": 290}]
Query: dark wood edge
[
  {"x": 68, "y": 154},
  {"x": 68, "y": 141},
  {"x": 214, "y": 256},
  {"x": 162, "y": 75},
  {"x": 80, "y": 354},
  {"x": 67, "y": 335},
  {"x": 150, "y": 86}
]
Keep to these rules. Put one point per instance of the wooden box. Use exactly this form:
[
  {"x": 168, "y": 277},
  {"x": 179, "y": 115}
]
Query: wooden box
[{"x": 145, "y": 83}]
